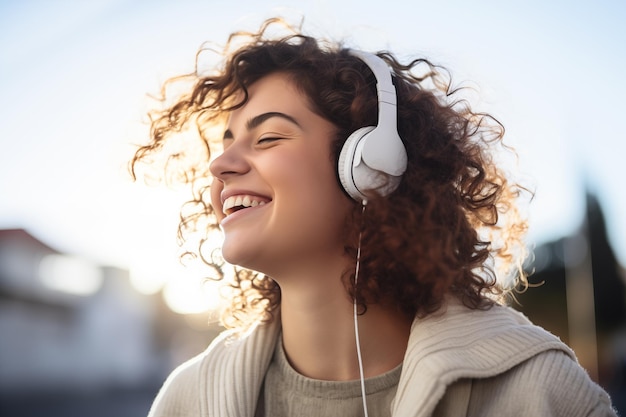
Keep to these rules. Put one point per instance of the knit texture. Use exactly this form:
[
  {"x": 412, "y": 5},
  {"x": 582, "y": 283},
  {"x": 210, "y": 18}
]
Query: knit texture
[
  {"x": 288, "y": 393},
  {"x": 458, "y": 362}
]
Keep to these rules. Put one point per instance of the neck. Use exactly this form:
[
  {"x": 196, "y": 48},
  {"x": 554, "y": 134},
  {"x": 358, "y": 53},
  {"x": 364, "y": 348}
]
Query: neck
[{"x": 318, "y": 331}]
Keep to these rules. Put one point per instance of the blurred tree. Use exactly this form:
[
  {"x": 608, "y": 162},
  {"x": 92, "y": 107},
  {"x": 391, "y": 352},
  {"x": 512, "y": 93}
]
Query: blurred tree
[{"x": 577, "y": 280}]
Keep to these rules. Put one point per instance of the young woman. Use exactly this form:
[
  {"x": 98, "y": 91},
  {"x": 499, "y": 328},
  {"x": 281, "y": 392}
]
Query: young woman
[{"x": 375, "y": 239}]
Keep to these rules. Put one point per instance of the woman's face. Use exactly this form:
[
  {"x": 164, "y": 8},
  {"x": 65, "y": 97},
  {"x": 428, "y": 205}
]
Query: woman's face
[{"x": 275, "y": 190}]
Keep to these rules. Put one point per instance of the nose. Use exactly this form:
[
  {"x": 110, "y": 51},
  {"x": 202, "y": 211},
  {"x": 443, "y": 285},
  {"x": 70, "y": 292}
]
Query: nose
[{"x": 231, "y": 162}]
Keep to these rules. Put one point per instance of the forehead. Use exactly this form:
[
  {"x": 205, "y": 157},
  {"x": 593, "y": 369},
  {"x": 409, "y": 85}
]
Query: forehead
[{"x": 274, "y": 92}]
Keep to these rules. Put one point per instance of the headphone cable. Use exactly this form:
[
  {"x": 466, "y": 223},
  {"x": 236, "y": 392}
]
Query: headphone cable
[{"x": 356, "y": 321}]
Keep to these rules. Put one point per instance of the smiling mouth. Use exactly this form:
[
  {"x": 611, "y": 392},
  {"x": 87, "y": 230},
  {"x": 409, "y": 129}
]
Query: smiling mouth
[{"x": 239, "y": 202}]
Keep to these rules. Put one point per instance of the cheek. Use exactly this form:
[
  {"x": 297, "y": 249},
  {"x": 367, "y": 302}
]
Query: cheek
[{"x": 322, "y": 194}]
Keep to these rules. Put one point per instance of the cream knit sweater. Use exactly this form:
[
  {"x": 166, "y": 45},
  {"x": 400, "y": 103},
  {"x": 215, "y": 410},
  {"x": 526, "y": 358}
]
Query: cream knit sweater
[{"x": 459, "y": 362}]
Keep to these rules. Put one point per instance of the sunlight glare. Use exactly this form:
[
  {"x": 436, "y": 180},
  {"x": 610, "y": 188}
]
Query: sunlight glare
[
  {"x": 148, "y": 278},
  {"x": 70, "y": 274},
  {"x": 190, "y": 292}
]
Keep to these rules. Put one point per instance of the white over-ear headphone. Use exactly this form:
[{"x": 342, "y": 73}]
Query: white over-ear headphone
[{"x": 373, "y": 158}]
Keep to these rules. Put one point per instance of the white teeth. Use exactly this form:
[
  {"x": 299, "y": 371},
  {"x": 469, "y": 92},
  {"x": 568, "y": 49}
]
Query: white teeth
[{"x": 243, "y": 201}]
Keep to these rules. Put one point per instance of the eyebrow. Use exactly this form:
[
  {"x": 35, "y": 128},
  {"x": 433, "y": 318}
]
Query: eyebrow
[{"x": 256, "y": 121}]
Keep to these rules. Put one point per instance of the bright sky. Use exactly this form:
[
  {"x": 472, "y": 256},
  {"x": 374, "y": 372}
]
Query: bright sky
[{"x": 74, "y": 77}]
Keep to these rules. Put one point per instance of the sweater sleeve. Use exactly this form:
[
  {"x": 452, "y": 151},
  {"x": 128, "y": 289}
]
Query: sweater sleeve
[
  {"x": 550, "y": 384},
  {"x": 179, "y": 396}
]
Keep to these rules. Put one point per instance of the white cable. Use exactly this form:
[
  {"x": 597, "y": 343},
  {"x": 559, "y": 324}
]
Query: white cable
[{"x": 356, "y": 321}]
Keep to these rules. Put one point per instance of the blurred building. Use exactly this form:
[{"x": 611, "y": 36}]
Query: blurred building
[{"x": 76, "y": 338}]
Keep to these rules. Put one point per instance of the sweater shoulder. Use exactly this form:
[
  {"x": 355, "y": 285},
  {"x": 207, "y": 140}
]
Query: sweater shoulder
[
  {"x": 225, "y": 379},
  {"x": 179, "y": 396},
  {"x": 462, "y": 344},
  {"x": 550, "y": 383},
  {"x": 181, "y": 393}
]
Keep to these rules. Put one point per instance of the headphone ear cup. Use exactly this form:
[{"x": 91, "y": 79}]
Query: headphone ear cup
[
  {"x": 373, "y": 158},
  {"x": 349, "y": 158}
]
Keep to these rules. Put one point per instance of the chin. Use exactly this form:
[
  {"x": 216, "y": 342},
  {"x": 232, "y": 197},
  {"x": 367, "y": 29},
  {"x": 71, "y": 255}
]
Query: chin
[
  {"x": 231, "y": 255},
  {"x": 236, "y": 255}
]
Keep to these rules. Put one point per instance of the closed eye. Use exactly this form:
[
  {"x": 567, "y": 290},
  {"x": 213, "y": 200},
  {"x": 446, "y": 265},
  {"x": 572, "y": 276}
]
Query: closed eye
[{"x": 268, "y": 140}]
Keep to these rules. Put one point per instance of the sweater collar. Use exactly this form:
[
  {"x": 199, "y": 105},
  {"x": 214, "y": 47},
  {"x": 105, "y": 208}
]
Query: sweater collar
[
  {"x": 454, "y": 343},
  {"x": 458, "y": 342}
]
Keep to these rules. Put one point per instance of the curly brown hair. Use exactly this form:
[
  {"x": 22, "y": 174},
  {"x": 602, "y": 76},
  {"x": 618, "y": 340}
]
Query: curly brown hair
[{"x": 452, "y": 226}]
